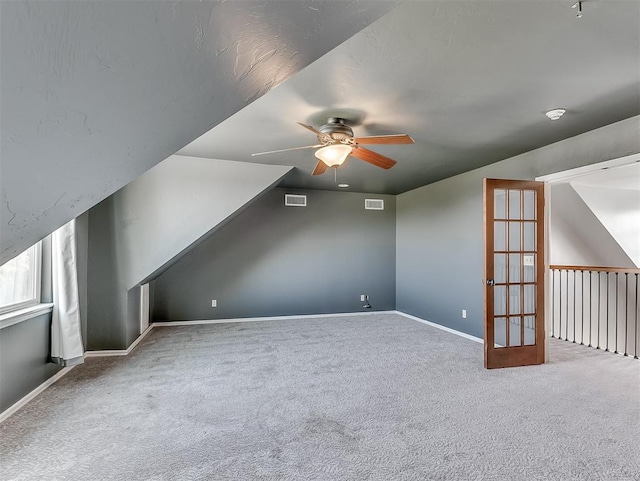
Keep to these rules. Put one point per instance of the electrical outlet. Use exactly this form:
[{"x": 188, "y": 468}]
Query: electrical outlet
[
  {"x": 363, "y": 297},
  {"x": 464, "y": 313},
  {"x": 214, "y": 303}
]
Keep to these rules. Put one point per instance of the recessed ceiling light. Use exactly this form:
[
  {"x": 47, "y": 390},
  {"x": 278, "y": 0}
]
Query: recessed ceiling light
[
  {"x": 555, "y": 114},
  {"x": 343, "y": 186}
]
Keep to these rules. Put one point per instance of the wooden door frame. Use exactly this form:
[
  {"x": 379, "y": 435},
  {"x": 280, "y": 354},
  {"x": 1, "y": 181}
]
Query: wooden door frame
[{"x": 520, "y": 355}]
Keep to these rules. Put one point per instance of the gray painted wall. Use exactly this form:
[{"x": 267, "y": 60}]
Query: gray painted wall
[
  {"x": 24, "y": 354},
  {"x": 275, "y": 260},
  {"x": 82, "y": 252},
  {"x": 440, "y": 232},
  {"x": 25, "y": 347},
  {"x": 165, "y": 210},
  {"x": 106, "y": 299},
  {"x": 144, "y": 227}
]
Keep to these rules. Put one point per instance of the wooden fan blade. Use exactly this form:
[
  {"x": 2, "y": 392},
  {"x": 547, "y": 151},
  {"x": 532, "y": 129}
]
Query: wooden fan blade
[
  {"x": 286, "y": 150},
  {"x": 322, "y": 137},
  {"x": 372, "y": 157},
  {"x": 320, "y": 169},
  {"x": 311, "y": 128},
  {"x": 385, "y": 139}
]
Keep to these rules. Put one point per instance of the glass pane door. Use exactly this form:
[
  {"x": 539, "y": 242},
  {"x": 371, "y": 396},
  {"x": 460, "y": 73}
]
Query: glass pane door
[{"x": 514, "y": 212}]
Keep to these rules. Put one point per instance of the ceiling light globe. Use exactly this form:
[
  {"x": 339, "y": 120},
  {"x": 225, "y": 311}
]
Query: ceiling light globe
[{"x": 333, "y": 155}]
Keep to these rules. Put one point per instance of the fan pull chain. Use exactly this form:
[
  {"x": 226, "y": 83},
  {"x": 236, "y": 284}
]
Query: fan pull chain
[{"x": 335, "y": 175}]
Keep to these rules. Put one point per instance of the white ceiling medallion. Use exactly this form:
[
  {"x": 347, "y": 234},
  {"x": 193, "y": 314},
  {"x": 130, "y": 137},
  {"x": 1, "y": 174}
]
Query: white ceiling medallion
[{"x": 555, "y": 114}]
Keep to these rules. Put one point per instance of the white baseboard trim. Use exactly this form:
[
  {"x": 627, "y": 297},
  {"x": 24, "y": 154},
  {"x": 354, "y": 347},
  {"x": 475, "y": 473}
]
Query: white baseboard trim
[
  {"x": 120, "y": 352},
  {"x": 19, "y": 404},
  {"x": 441, "y": 327},
  {"x": 260, "y": 319},
  {"x": 107, "y": 353},
  {"x": 124, "y": 352}
]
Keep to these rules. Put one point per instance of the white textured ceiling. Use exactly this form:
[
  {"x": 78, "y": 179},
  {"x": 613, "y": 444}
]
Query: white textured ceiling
[
  {"x": 93, "y": 93},
  {"x": 470, "y": 81}
]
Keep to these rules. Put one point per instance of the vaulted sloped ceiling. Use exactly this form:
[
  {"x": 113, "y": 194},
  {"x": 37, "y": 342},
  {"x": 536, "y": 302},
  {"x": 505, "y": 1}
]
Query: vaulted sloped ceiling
[
  {"x": 95, "y": 93},
  {"x": 470, "y": 81}
]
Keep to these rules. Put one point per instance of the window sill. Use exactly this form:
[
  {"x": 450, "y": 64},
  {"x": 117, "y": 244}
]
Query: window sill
[{"x": 10, "y": 318}]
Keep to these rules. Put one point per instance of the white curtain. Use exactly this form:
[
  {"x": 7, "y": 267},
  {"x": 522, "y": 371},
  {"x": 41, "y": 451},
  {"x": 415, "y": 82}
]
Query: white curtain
[{"x": 66, "y": 339}]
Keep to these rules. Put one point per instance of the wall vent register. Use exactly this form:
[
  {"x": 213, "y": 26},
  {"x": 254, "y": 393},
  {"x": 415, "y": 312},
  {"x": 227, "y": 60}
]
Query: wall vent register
[
  {"x": 374, "y": 204},
  {"x": 295, "y": 200}
]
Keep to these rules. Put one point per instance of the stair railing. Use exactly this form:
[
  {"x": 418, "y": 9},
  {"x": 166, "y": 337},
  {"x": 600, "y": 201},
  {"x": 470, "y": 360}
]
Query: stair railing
[{"x": 596, "y": 307}]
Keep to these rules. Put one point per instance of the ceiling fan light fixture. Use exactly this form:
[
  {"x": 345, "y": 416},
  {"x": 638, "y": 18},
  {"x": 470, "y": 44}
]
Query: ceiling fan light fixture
[
  {"x": 555, "y": 114},
  {"x": 334, "y": 155}
]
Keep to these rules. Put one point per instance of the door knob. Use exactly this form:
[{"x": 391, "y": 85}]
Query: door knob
[{"x": 490, "y": 282}]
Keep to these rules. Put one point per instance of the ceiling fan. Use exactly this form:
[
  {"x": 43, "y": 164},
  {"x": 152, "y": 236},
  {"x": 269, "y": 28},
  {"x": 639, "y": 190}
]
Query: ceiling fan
[{"x": 336, "y": 143}]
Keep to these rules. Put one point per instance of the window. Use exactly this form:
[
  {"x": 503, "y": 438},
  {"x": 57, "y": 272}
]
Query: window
[{"x": 20, "y": 280}]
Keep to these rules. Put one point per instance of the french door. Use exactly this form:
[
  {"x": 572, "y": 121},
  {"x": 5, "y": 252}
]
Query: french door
[{"x": 513, "y": 273}]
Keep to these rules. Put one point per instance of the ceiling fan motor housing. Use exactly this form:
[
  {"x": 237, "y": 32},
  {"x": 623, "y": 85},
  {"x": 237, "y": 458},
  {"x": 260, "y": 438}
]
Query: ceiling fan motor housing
[{"x": 337, "y": 130}]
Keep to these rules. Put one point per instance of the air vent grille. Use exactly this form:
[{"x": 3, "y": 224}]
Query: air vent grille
[
  {"x": 295, "y": 200},
  {"x": 374, "y": 204}
]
